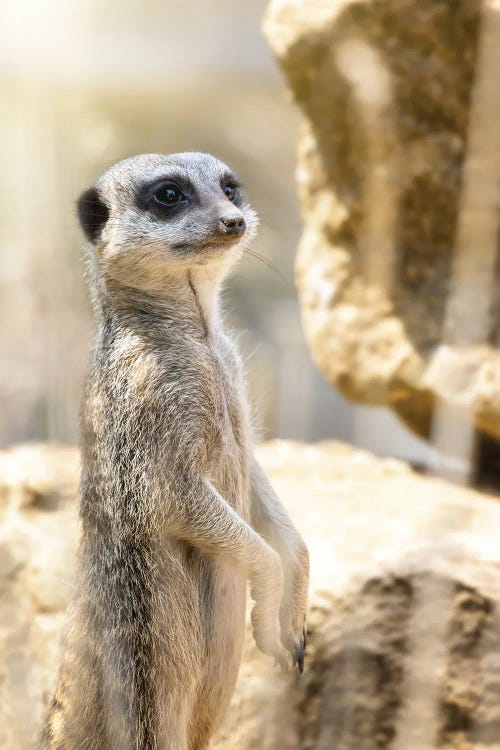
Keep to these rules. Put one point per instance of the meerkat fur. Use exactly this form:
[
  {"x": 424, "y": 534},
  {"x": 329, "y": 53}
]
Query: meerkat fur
[{"x": 176, "y": 514}]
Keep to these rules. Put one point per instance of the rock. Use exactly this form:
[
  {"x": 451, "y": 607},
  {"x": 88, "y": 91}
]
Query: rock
[
  {"x": 398, "y": 268},
  {"x": 38, "y": 537},
  {"x": 404, "y": 621},
  {"x": 38, "y": 476}
]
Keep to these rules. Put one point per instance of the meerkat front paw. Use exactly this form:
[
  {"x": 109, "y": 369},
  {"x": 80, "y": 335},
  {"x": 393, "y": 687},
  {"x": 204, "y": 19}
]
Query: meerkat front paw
[
  {"x": 266, "y": 633},
  {"x": 267, "y": 592},
  {"x": 294, "y": 604}
]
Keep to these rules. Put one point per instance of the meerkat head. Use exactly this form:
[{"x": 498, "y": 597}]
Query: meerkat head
[{"x": 152, "y": 216}]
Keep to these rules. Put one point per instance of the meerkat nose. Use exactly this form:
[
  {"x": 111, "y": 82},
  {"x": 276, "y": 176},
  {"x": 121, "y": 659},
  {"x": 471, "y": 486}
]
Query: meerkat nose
[{"x": 233, "y": 225}]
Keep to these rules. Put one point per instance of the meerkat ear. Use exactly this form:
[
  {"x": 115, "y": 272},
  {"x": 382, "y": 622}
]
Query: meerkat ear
[{"x": 93, "y": 214}]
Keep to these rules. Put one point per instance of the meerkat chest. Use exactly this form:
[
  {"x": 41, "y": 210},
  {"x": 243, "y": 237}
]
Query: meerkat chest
[
  {"x": 228, "y": 398},
  {"x": 227, "y": 424}
]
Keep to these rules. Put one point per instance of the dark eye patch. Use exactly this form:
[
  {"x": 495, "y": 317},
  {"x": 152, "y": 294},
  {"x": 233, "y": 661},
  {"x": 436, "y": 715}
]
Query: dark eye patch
[
  {"x": 232, "y": 189},
  {"x": 166, "y": 196},
  {"x": 93, "y": 214}
]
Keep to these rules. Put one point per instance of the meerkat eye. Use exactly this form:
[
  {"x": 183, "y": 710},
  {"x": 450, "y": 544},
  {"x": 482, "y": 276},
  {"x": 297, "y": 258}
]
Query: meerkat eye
[
  {"x": 168, "y": 195},
  {"x": 230, "y": 193}
]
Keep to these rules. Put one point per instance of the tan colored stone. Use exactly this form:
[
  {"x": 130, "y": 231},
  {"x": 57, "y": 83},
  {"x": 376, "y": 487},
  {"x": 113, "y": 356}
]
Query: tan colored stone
[
  {"x": 398, "y": 173},
  {"x": 404, "y": 628},
  {"x": 404, "y": 624},
  {"x": 38, "y": 535},
  {"x": 38, "y": 476}
]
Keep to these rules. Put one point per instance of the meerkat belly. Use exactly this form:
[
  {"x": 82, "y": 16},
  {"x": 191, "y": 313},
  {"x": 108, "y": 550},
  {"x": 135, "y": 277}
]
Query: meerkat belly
[
  {"x": 222, "y": 583},
  {"x": 226, "y": 584},
  {"x": 222, "y": 617},
  {"x": 222, "y": 607}
]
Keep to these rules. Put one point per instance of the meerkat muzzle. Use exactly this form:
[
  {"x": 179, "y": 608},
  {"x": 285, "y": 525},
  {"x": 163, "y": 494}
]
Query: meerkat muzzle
[{"x": 231, "y": 227}]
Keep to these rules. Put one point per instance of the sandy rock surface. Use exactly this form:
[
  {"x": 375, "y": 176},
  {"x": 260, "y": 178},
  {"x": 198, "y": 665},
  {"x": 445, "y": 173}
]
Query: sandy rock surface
[
  {"x": 398, "y": 269},
  {"x": 404, "y": 628},
  {"x": 38, "y": 538}
]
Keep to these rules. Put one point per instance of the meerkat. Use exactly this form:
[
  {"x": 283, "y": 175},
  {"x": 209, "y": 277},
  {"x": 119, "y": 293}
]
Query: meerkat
[{"x": 176, "y": 513}]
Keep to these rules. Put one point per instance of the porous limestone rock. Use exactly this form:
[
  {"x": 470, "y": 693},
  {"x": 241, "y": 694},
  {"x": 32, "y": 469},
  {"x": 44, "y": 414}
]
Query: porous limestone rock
[
  {"x": 38, "y": 537},
  {"x": 404, "y": 621},
  {"x": 398, "y": 269}
]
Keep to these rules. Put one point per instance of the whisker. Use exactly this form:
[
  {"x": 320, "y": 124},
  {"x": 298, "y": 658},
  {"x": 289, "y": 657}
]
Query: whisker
[{"x": 270, "y": 265}]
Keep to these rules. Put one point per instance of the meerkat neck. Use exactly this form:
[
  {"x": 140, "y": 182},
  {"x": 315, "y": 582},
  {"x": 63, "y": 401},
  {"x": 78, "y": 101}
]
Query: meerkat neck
[
  {"x": 190, "y": 298},
  {"x": 205, "y": 285}
]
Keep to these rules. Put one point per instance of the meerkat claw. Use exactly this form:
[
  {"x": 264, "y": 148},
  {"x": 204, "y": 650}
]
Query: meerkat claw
[
  {"x": 298, "y": 658},
  {"x": 299, "y": 653},
  {"x": 300, "y": 661}
]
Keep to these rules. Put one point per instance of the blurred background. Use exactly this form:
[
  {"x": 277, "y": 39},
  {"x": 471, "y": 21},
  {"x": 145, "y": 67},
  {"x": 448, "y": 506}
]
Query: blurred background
[
  {"x": 378, "y": 190},
  {"x": 88, "y": 83}
]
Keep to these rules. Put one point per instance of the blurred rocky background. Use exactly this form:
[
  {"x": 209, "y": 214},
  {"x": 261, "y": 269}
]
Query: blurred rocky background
[
  {"x": 399, "y": 176},
  {"x": 395, "y": 105},
  {"x": 87, "y": 83},
  {"x": 404, "y": 619}
]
